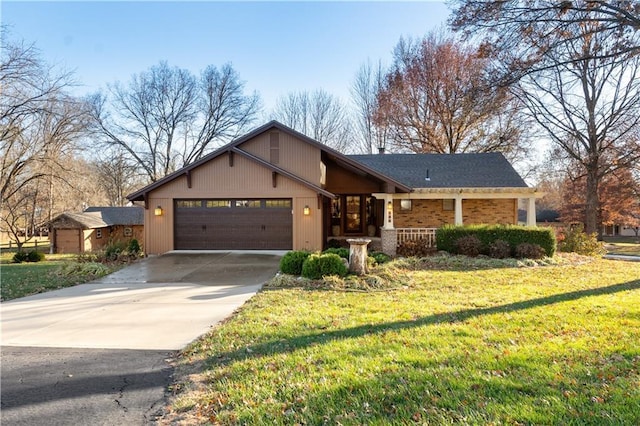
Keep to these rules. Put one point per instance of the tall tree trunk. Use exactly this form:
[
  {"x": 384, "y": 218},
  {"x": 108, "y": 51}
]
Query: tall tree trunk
[{"x": 592, "y": 201}]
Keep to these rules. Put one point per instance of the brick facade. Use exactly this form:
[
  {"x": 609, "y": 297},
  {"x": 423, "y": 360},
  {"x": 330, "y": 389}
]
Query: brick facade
[{"x": 432, "y": 213}]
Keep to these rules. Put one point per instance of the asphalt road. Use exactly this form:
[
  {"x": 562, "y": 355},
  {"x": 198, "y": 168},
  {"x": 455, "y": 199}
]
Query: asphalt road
[{"x": 66, "y": 386}]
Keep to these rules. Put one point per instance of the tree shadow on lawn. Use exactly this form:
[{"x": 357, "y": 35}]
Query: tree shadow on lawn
[{"x": 303, "y": 341}]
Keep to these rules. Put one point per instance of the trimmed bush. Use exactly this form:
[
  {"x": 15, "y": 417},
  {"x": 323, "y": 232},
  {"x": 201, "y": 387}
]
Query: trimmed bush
[
  {"x": 20, "y": 256},
  {"x": 529, "y": 251},
  {"x": 500, "y": 249},
  {"x": 317, "y": 266},
  {"x": 35, "y": 256},
  {"x": 340, "y": 251},
  {"x": 577, "y": 241},
  {"x": 487, "y": 234},
  {"x": 416, "y": 248},
  {"x": 469, "y": 245},
  {"x": 291, "y": 262}
]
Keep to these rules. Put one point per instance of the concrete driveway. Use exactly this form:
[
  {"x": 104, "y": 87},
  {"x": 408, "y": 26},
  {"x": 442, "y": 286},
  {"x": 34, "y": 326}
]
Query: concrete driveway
[
  {"x": 160, "y": 303},
  {"x": 100, "y": 353}
]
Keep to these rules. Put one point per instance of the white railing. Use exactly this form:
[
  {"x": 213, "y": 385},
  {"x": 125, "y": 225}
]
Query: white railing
[{"x": 414, "y": 234}]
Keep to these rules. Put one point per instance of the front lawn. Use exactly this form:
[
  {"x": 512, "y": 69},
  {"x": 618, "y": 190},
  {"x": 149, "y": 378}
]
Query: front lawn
[
  {"x": 529, "y": 345},
  {"x": 24, "y": 279}
]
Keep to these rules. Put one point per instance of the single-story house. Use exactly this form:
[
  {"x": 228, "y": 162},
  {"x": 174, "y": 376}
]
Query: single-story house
[
  {"x": 94, "y": 228},
  {"x": 275, "y": 188}
]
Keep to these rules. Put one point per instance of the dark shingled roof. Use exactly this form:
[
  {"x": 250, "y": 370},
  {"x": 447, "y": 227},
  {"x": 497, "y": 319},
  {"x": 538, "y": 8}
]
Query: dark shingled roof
[
  {"x": 483, "y": 170},
  {"x": 117, "y": 215}
]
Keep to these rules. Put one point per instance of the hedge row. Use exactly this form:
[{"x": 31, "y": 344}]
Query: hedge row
[{"x": 447, "y": 236}]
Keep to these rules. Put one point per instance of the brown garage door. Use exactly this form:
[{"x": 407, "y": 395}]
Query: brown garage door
[
  {"x": 67, "y": 240},
  {"x": 233, "y": 224}
]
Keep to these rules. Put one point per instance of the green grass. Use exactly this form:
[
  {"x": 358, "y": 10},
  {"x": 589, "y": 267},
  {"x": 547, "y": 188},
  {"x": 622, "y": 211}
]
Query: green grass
[
  {"x": 629, "y": 249},
  {"x": 503, "y": 345},
  {"x": 23, "y": 279}
]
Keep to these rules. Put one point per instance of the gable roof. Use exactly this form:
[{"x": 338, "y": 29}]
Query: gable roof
[
  {"x": 132, "y": 215},
  {"x": 478, "y": 170},
  {"x": 102, "y": 217},
  {"x": 233, "y": 147}
]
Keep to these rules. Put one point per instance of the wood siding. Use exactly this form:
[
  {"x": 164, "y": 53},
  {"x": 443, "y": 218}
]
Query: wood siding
[
  {"x": 245, "y": 179},
  {"x": 342, "y": 181}
]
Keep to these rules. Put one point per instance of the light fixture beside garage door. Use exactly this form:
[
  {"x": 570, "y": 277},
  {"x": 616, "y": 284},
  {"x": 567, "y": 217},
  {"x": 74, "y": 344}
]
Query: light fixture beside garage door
[
  {"x": 306, "y": 211},
  {"x": 158, "y": 211}
]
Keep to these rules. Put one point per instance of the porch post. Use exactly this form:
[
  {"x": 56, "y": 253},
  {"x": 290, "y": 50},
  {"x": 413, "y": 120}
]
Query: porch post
[
  {"x": 531, "y": 211},
  {"x": 458, "y": 210},
  {"x": 388, "y": 234}
]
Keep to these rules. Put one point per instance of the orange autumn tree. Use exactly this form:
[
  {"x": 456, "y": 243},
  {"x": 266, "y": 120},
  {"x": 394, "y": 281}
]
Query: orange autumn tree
[{"x": 619, "y": 200}]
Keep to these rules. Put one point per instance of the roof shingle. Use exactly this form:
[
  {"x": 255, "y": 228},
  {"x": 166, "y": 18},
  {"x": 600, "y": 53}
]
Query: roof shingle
[{"x": 472, "y": 170}]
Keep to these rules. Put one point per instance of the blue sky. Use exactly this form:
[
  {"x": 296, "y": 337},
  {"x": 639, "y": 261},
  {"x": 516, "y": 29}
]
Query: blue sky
[{"x": 277, "y": 47}]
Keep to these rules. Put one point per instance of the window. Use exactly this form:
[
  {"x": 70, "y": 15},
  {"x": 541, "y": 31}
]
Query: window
[
  {"x": 216, "y": 204},
  {"x": 189, "y": 204},
  {"x": 278, "y": 204},
  {"x": 448, "y": 204},
  {"x": 128, "y": 232},
  {"x": 405, "y": 204},
  {"x": 98, "y": 233},
  {"x": 252, "y": 204}
]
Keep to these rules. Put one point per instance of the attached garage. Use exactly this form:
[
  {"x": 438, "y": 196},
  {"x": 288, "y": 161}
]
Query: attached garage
[{"x": 236, "y": 224}]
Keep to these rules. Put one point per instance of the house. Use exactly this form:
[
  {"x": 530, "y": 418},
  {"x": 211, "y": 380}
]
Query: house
[
  {"x": 94, "y": 228},
  {"x": 275, "y": 188}
]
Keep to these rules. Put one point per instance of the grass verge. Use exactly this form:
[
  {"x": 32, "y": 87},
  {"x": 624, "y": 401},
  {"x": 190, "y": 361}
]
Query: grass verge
[
  {"x": 494, "y": 345},
  {"x": 58, "y": 271}
]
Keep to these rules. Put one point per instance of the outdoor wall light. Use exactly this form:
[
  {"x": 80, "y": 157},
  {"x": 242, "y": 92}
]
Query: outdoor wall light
[
  {"x": 390, "y": 205},
  {"x": 306, "y": 211},
  {"x": 158, "y": 211}
]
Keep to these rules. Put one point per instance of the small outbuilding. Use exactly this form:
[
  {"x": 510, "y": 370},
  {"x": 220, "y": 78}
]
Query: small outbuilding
[{"x": 96, "y": 227}]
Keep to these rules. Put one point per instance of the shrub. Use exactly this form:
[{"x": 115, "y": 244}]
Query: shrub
[
  {"x": 469, "y": 245},
  {"x": 20, "y": 256},
  {"x": 415, "y": 248},
  {"x": 577, "y": 241},
  {"x": 500, "y": 249},
  {"x": 487, "y": 234},
  {"x": 380, "y": 257},
  {"x": 317, "y": 266},
  {"x": 134, "y": 247},
  {"x": 87, "y": 270},
  {"x": 35, "y": 256},
  {"x": 340, "y": 251},
  {"x": 113, "y": 250},
  {"x": 291, "y": 263},
  {"x": 529, "y": 251}
]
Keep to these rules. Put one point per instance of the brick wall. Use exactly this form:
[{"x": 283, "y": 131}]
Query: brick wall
[{"x": 431, "y": 213}]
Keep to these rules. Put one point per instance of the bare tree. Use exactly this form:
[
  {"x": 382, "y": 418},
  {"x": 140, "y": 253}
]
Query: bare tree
[
  {"x": 502, "y": 26},
  {"x": 590, "y": 108},
  {"x": 368, "y": 82},
  {"x": 166, "y": 117},
  {"x": 116, "y": 176},
  {"x": 319, "y": 115},
  {"x": 39, "y": 126},
  {"x": 436, "y": 99}
]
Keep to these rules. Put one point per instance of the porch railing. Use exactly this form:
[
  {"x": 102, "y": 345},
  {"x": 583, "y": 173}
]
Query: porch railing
[{"x": 414, "y": 234}]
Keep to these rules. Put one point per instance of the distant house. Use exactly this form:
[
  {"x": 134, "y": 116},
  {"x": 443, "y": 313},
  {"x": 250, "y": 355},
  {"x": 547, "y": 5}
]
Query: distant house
[
  {"x": 276, "y": 188},
  {"x": 94, "y": 228}
]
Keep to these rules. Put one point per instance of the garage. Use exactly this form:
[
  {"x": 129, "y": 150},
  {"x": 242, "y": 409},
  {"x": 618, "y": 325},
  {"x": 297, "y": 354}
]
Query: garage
[{"x": 233, "y": 224}]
